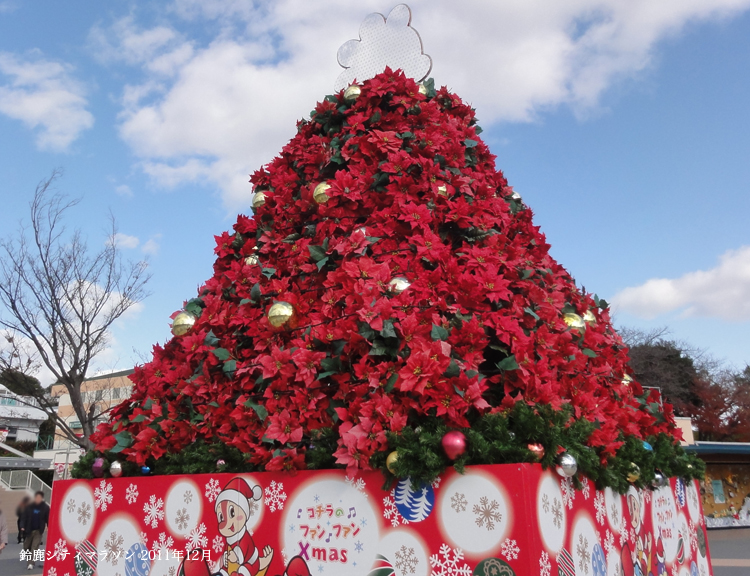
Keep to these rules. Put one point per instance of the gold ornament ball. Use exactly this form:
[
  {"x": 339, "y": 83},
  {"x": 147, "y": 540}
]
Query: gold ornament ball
[
  {"x": 253, "y": 259},
  {"x": 390, "y": 461},
  {"x": 259, "y": 198},
  {"x": 574, "y": 321},
  {"x": 398, "y": 285},
  {"x": 352, "y": 93},
  {"x": 319, "y": 194},
  {"x": 627, "y": 379},
  {"x": 634, "y": 473},
  {"x": 182, "y": 323},
  {"x": 422, "y": 89},
  {"x": 443, "y": 190},
  {"x": 282, "y": 314},
  {"x": 589, "y": 317}
]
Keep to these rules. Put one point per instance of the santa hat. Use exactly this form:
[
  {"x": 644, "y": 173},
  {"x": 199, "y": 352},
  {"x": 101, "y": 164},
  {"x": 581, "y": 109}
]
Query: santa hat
[
  {"x": 297, "y": 567},
  {"x": 660, "y": 549},
  {"x": 239, "y": 492}
]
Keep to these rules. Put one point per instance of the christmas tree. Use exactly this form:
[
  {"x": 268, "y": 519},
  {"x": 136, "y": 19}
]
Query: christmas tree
[{"x": 390, "y": 292}]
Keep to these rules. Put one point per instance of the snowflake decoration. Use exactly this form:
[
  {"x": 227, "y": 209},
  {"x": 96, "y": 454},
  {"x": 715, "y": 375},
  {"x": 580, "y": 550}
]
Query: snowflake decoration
[
  {"x": 449, "y": 562},
  {"x": 599, "y": 506},
  {"x": 84, "y": 513},
  {"x": 692, "y": 531},
  {"x": 487, "y": 513},
  {"x": 197, "y": 538},
  {"x": 357, "y": 483},
  {"x": 252, "y": 507},
  {"x": 171, "y": 571},
  {"x": 545, "y": 503},
  {"x": 675, "y": 569},
  {"x": 390, "y": 512},
  {"x": 217, "y": 544},
  {"x": 187, "y": 497},
  {"x": 358, "y": 546},
  {"x": 557, "y": 513},
  {"x": 406, "y": 560},
  {"x": 71, "y": 504},
  {"x": 458, "y": 502},
  {"x": 646, "y": 496},
  {"x": 52, "y": 571},
  {"x": 212, "y": 489},
  {"x": 510, "y": 549},
  {"x": 545, "y": 567},
  {"x": 585, "y": 488},
  {"x": 568, "y": 492},
  {"x": 623, "y": 534},
  {"x": 182, "y": 518},
  {"x": 61, "y": 550},
  {"x": 615, "y": 514},
  {"x": 584, "y": 556},
  {"x": 163, "y": 545},
  {"x": 144, "y": 538},
  {"x": 275, "y": 496},
  {"x": 103, "y": 495},
  {"x": 113, "y": 548},
  {"x": 154, "y": 510},
  {"x": 436, "y": 483},
  {"x": 131, "y": 494},
  {"x": 609, "y": 543}
]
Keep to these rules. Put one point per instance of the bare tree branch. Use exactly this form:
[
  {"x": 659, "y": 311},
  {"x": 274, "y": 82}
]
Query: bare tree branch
[{"x": 60, "y": 299}]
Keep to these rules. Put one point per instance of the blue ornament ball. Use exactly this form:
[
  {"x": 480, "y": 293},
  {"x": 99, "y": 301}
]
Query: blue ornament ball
[
  {"x": 648, "y": 446},
  {"x": 137, "y": 561},
  {"x": 145, "y": 470}
]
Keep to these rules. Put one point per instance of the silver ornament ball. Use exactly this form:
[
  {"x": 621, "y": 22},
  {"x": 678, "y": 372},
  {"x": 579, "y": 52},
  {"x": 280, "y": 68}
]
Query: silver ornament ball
[
  {"x": 115, "y": 469},
  {"x": 566, "y": 465}
]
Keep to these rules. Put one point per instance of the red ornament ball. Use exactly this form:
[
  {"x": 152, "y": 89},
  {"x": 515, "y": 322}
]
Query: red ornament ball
[
  {"x": 537, "y": 450},
  {"x": 454, "y": 444}
]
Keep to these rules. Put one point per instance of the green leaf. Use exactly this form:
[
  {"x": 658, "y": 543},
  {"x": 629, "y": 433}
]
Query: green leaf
[
  {"x": 331, "y": 365},
  {"x": 322, "y": 262},
  {"x": 508, "y": 363},
  {"x": 453, "y": 370},
  {"x": 391, "y": 383},
  {"x": 388, "y": 331},
  {"x": 124, "y": 439},
  {"x": 229, "y": 367},
  {"x": 366, "y": 331},
  {"x": 255, "y": 293},
  {"x": 589, "y": 352},
  {"x": 139, "y": 418},
  {"x": 439, "y": 333},
  {"x": 317, "y": 253},
  {"x": 268, "y": 272},
  {"x": 531, "y": 313},
  {"x": 221, "y": 353},
  {"x": 469, "y": 143},
  {"x": 259, "y": 410}
]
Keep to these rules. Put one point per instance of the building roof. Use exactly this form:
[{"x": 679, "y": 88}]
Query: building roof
[{"x": 719, "y": 448}]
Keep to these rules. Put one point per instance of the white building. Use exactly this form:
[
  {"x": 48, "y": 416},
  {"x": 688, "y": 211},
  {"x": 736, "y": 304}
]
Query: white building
[{"x": 20, "y": 418}]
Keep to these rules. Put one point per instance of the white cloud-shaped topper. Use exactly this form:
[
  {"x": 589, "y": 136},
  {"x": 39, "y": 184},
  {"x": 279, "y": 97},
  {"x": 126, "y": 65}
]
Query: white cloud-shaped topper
[{"x": 383, "y": 42}]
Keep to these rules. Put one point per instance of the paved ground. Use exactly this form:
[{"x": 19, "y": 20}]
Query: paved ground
[
  {"x": 10, "y": 563},
  {"x": 730, "y": 551}
]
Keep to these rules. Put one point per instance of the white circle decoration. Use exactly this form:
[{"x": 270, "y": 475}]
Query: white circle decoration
[
  {"x": 613, "y": 504},
  {"x": 481, "y": 524},
  {"x": 183, "y": 507},
  {"x": 332, "y": 526},
  {"x": 664, "y": 518},
  {"x": 550, "y": 512},
  {"x": 78, "y": 513},
  {"x": 582, "y": 542},
  {"x": 116, "y": 537},
  {"x": 406, "y": 552},
  {"x": 693, "y": 503}
]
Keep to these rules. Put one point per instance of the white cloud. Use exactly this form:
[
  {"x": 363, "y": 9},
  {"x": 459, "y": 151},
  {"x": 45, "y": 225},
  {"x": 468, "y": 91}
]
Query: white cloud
[
  {"x": 43, "y": 95},
  {"x": 125, "y": 241},
  {"x": 721, "y": 292},
  {"x": 215, "y": 112},
  {"x": 124, "y": 191},
  {"x": 151, "y": 246}
]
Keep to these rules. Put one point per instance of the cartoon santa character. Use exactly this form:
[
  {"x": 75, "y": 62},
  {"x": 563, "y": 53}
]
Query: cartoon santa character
[
  {"x": 661, "y": 565},
  {"x": 233, "y": 511}
]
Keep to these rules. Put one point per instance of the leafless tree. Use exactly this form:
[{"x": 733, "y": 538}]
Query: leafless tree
[{"x": 59, "y": 300}]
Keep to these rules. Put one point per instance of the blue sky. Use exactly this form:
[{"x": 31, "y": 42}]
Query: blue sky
[{"x": 625, "y": 127}]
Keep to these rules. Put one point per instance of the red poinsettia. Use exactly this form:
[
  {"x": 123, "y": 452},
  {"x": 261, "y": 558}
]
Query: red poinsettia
[{"x": 483, "y": 323}]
